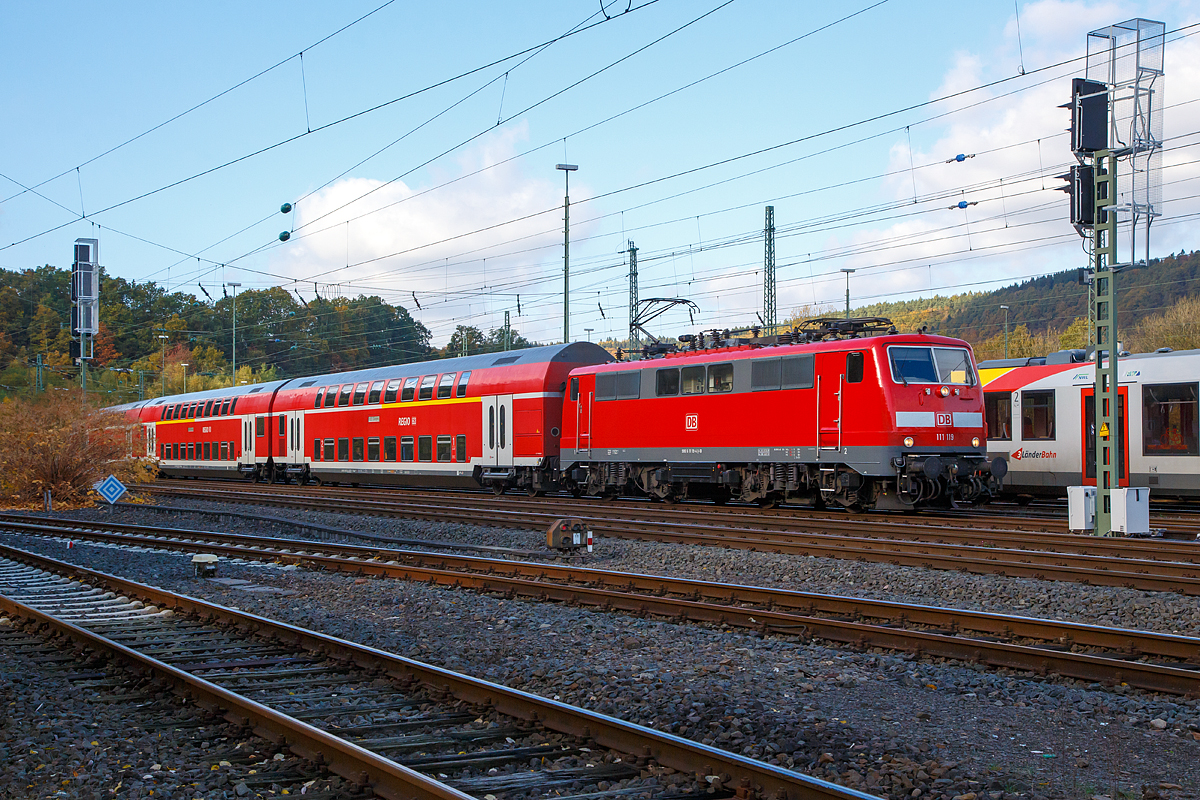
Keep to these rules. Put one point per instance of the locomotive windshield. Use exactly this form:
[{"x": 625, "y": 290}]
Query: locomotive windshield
[{"x": 950, "y": 365}]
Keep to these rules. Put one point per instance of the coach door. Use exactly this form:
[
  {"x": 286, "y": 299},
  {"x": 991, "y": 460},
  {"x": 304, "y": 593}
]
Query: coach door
[
  {"x": 829, "y": 379},
  {"x": 1089, "y": 436},
  {"x": 247, "y": 457},
  {"x": 151, "y": 439},
  {"x": 497, "y": 430},
  {"x": 295, "y": 443}
]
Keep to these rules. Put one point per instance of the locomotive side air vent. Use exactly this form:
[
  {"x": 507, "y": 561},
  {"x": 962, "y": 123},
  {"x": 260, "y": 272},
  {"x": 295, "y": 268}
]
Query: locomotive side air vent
[{"x": 506, "y": 360}]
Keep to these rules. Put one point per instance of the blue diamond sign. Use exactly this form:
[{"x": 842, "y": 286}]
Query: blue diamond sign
[{"x": 111, "y": 489}]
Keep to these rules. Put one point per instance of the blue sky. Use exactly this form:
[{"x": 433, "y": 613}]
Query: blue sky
[{"x": 452, "y": 193}]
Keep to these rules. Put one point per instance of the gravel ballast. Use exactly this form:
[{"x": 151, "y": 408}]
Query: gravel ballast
[{"x": 882, "y": 722}]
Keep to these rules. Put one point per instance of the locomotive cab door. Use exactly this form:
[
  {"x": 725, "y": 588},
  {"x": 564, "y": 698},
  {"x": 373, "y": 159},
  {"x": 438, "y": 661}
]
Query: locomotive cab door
[
  {"x": 497, "y": 430},
  {"x": 295, "y": 443},
  {"x": 1089, "y": 435},
  {"x": 583, "y": 417},
  {"x": 829, "y": 384}
]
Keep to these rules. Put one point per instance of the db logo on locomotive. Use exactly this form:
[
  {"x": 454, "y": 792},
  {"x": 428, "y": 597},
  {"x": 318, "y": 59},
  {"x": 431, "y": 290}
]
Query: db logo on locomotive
[
  {"x": 691, "y": 422},
  {"x": 943, "y": 419}
]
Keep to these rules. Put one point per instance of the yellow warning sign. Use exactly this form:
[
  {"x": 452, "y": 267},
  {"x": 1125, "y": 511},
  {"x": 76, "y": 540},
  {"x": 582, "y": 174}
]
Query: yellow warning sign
[{"x": 1104, "y": 431}]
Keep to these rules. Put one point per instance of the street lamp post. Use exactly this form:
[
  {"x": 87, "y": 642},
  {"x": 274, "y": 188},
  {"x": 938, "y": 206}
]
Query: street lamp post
[
  {"x": 567, "y": 170},
  {"x": 234, "y": 350},
  {"x": 163, "y": 337},
  {"x": 185, "y": 366},
  {"x": 848, "y": 271},
  {"x": 1005, "y": 330}
]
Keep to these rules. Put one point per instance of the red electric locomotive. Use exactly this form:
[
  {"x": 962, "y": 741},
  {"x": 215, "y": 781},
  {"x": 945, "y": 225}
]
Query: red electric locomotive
[{"x": 857, "y": 415}]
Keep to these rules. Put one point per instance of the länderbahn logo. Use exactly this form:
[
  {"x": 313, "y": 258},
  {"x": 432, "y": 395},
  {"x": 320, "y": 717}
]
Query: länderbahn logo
[{"x": 1022, "y": 454}]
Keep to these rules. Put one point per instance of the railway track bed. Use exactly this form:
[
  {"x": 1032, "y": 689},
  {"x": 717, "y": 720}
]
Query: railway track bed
[{"x": 843, "y": 714}]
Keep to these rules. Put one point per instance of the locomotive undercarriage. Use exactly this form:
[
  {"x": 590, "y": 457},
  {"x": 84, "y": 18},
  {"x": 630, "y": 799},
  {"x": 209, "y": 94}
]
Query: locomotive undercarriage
[{"x": 918, "y": 481}]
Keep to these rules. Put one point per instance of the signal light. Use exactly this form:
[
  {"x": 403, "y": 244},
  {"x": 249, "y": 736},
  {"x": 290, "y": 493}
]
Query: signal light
[
  {"x": 1089, "y": 115},
  {"x": 1081, "y": 186}
]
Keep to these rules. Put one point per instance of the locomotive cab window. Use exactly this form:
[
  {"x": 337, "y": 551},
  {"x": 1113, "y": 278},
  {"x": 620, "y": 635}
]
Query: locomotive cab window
[
  {"x": 666, "y": 382},
  {"x": 446, "y": 386},
  {"x": 692, "y": 380},
  {"x": 574, "y": 389},
  {"x": 393, "y": 386},
  {"x": 997, "y": 408},
  {"x": 1037, "y": 415},
  {"x": 410, "y": 390},
  {"x": 426, "y": 392},
  {"x": 1169, "y": 421},
  {"x": 360, "y": 394},
  {"x": 951, "y": 365},
  {"x": 854, "y": 367},
  {"x": 461, "y": 390},
  {"x": 629, "y": 386},
  {"x": 720, "y": 378},
  {"x": 376, "y": 390}
]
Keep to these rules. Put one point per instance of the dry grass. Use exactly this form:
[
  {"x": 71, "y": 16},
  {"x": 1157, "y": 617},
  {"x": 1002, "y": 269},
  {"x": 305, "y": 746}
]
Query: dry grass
[{"x": 55, "y": 442}]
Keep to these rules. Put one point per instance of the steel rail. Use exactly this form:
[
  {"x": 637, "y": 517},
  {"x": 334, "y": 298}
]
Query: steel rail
[
  {"x": 1145, "y": 574},
  {"x": 965, "y": 529},
  {"x": 646, "y": 594},
  {"x": 757, "y": 779}
]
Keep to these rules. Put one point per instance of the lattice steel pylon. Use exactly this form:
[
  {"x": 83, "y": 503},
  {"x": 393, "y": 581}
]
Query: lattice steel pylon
[
  {"x": 635, "y": 339},
  {"x": 770, "y": 313}
]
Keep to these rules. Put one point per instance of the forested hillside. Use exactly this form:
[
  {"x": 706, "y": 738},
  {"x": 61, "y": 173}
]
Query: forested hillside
[{"x": 279, "y": 334}]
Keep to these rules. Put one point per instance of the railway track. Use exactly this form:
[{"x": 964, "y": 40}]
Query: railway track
[
  {"x": 1151, "y": 565},
  {"x": 1152, "y": 661},
  {"x": 401, "y": 728}
]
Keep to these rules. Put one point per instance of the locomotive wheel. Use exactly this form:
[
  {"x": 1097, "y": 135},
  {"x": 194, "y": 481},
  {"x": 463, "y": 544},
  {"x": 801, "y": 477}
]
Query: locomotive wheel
[
  {"x": 577, "y": 492},
  {"x": 768, "y": 502},
  {"x": 498, "y": 489},
  {"x": 532, "y": 492}
]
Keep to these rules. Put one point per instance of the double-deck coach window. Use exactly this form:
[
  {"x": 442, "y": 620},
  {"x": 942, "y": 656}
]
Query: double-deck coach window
[
  {"x": 360, "y": 394},
  {"x": 376, "y": 389},
  {"x": 461, "y": 390},
  {"x": 393, "y": 386},
  {"x": 1037, "y": 415},
  {"x": 425, "y": 448},
  {"x": 426, "y": 392},
  {"x": 1169, "y": 420},
  {"x": 320, "y": 394},
  {"x": 260, "y": 426},
  {"x": 446, "y": 386},
  {"x": 410, "y": 390},
  {"x": 344, "y": 395},
  {"x": 344, "y": 449}
]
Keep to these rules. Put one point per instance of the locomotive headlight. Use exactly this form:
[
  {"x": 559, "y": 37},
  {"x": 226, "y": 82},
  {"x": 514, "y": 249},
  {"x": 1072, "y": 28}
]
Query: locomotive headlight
[
  {"x": 909, "y": 441},
  {"x": 944, "y": 391},
  {"x": 975, "y": 442}
]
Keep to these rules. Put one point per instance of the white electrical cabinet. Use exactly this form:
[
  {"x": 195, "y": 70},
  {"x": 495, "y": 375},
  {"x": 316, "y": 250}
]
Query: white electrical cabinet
[
  {"x": 1081, "y": 508},
  {"x": 1131, "y": 510}
]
